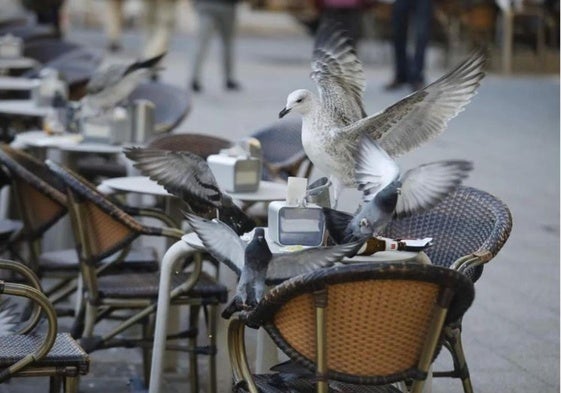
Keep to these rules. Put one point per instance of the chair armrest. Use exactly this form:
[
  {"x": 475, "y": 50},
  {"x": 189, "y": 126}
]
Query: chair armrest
[
  {"x": 238, "y": 356},
  {"x": 43, "y": 302},
  {"x": 34, "y": 282}
]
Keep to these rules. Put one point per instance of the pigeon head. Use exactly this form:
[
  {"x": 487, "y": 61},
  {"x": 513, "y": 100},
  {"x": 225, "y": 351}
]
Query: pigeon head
[{"x": 300, "y": 101}]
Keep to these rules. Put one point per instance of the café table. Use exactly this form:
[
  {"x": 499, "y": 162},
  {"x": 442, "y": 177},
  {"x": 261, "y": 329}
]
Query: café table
[
  {"x": 14, "y": 83},
  {"x": 23, "y": 108},
  {"x": 16, "y": 63}
]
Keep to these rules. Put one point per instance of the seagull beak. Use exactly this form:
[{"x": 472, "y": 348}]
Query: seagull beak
[{"x": 283, "y": 112}]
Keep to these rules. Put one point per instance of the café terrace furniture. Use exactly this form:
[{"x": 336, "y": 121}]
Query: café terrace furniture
[
  {"x": 353, "y": 328},
  {"x": 101, "y": 228},
  {"x": 468, "y": 229},
  {"x": 30, "y": 352},
  {"x": 41, "y": 202}
]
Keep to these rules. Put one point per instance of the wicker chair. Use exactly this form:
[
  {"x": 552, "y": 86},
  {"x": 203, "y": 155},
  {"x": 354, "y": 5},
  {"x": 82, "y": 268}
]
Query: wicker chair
[
  {"x": 101, "y": 228},
  {"x": 352, "y": 326},
  {"x": 46, "y": 50},
  {"x": 283, "y": 154},
  {"x": 469, "y": 228},
  {"x": 41, "y": 201},
  {"x": 32, "y": 354}
]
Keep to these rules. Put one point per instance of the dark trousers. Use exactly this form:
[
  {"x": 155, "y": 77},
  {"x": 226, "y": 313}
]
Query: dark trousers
[{"x": 419, "y": 12}]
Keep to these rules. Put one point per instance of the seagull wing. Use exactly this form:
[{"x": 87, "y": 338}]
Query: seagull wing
[
  {"x": 425, "y": 113},
  {"x": 220, "y": 241},
  {"x": 290, "y": 264},
  {"x": 426, "y": 185},
  {"x": 338, "y": 74},
  {"x": 374, "y": 169},
  {"x": 105, "y": 77},
  {"x": 183, "y": 174}
]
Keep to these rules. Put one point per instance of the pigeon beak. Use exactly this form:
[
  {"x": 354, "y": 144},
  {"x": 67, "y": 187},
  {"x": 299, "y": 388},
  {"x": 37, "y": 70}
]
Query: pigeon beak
[{"x": 283, "y": 112}]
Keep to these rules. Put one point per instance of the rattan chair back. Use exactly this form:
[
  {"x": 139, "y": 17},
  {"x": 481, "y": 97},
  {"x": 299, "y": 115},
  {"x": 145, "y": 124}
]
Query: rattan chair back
[
  {"x": 381, "y": 322},
  {"x": 468, "y": 222},
  {"x": 283, "y": 153},
  {"x": 38, "y": 193}
]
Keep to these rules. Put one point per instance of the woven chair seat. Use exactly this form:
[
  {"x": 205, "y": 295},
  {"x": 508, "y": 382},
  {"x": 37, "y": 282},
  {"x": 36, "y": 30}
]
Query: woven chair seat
[
  {"x": 146, "y": 285},
  {"x": 141, "y": 259},
  {"x": 65, "y": 351},
  {"x": 272, "y": 383}
]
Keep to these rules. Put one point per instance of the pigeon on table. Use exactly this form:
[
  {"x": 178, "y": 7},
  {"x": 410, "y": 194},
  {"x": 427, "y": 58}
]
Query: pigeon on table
[
  {"x": 255, "y": 264},
  {"x": 334, "y": 123},
  {"x": 112, "y": 84},
  {"x": 388, "y": 193},
  {"x": 188, "y": 176}
]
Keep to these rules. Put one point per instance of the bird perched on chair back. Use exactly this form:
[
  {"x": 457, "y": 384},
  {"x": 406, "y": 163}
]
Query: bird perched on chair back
[
  {"x": 112, "y": 84},
  {"x": 388, "y": 193},
  {"x": 255, "y": 264},
  {"x": 188, "y": 176},
  {"x": 334, "y": 122}
]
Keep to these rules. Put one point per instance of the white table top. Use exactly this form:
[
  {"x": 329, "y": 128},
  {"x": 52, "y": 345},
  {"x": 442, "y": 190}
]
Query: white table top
[
  {"x": 23, "y": 108},
  {"x": 91, "y": 147},
  {"x": 39, "y": 138},
  {"x": 17, "y": 83},
  {"x": 268, "y": 191},
  {"x": 17, "y": 62}
]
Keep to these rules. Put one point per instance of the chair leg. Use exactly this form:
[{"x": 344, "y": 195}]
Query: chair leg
[
  {"x": 147, "y": 335},
  {"x": 89, "y": 319},
  {"x": 54, "y": 384},
  {"x": 71, "y": 384},
  {"x": 460, "y": 364},
  {"x": 193, "y": 365},
  {"x": 211, "y": 331}
]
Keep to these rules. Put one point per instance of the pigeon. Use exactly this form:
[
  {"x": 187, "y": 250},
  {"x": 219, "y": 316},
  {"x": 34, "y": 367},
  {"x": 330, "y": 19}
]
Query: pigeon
[
  {"x": 334, "y": 122},
  {"x": 110, "y": 85},
  {"x": 388, "y": 193},
  {"x": 254, "y": 263},
  {"x": 188, "y": 176}
]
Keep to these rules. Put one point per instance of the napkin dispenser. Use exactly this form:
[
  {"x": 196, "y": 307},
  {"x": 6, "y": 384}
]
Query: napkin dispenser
[
  {"x": 236, "y": 173},
  {"x": 295, "y": 222},
  {"x": 48, "y": 87},
  {"x": 113, "y": 128},
  {"x": 11, "y": 46}
]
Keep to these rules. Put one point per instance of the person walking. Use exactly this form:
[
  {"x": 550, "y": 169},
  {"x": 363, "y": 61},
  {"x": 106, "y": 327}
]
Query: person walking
[
  {"x": 410, "y": 69},
  {"x": 219, "y": 15}
]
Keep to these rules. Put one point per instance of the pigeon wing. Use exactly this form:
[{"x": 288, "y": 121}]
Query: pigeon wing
[
  {"x": 183, "y": 174},
  {"x": 220, "y": 241},
  {"x": 426, "y": 185},
  {"x": 290, "y": 264},
  {"x": 425, "y": 113},
  {"x": 374, "y": 169},
  {"x": 338, "y": 74}
]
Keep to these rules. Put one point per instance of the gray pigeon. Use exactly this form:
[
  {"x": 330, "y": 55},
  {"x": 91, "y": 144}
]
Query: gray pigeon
[
  {"x": 334, "y": 122},
  {"x": 255, "y": 264},
  {"x": 387, "y": 193},
  {"x": 113, "y": 84},
  {"x": 188, "y": 176}
]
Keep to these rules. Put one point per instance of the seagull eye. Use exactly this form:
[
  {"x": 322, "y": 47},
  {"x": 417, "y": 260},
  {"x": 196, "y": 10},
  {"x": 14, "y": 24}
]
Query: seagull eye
[{"x": 299, "y": 100}]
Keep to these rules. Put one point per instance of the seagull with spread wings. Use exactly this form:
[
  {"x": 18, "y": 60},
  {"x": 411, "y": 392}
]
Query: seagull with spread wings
[
  {"x": 188, "y": 176},
  {"x": 334, "y": 123}
]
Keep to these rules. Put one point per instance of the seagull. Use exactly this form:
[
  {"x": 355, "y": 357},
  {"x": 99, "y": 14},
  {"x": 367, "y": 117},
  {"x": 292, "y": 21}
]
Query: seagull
[
  {"x": 387, "y": 193},
  {"x": 110, "y": 85},
  {"x": 334, "y": 122},
  {"x": 188, "y": 176},
  {"x": 254, "y": 263}
]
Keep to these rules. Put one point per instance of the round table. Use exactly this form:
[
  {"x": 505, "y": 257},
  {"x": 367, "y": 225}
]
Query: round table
[{"x": 40, "y": 138}]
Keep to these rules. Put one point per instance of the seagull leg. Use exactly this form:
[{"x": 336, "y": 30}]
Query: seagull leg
[{"x": 337, "y": 188}]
